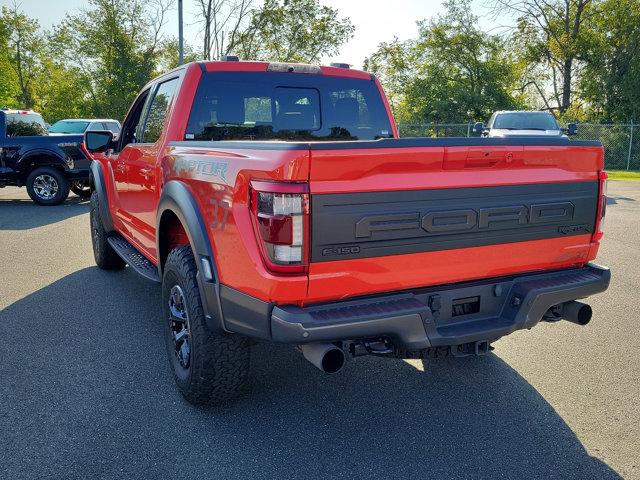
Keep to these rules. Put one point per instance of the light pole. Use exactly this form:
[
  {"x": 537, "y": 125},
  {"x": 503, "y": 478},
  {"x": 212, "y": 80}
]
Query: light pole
[{"x": 180, "y": 35}]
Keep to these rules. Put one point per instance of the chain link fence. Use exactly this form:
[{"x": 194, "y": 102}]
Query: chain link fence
[{"x": 621, "y": 142}]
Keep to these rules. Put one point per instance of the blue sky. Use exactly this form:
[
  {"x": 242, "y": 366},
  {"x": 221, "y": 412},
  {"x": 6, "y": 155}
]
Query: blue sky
[{"x": 375, "y": 20}]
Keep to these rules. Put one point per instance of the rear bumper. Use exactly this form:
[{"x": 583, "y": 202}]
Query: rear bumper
[{"x": 422, "y": 318}]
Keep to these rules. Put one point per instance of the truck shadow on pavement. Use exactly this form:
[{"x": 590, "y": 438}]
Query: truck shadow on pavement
[
  {"x": 86, "y": 393},
  {"x": 615, "y": 200},
  {"x": 21, "y": 214}
]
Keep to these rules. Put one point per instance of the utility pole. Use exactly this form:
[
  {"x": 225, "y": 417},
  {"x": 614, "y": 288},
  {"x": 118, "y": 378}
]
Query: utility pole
[{"x": 180, "y": 35}]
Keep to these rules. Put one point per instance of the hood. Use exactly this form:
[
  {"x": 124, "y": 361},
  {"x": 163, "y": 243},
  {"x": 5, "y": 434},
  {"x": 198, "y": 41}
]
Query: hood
[{"x": 502, "y": 132}]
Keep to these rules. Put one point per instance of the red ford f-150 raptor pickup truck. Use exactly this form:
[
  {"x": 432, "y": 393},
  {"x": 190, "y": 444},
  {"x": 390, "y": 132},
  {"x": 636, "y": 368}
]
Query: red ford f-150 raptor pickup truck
[{"x": 275, "y": 201}]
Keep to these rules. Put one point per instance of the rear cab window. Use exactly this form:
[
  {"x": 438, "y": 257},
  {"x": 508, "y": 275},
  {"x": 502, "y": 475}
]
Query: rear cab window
[
  {"x": 25, "y": 124},
  {"x": 286, "y": 106}
]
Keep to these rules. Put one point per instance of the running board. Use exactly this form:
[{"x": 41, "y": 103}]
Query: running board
[{"x": 134, "y": 258}]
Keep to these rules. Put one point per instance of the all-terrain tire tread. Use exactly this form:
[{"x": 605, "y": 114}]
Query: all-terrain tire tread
[
  {"x": 105, "y": 256},
  {"x": 220, "y": 362}
]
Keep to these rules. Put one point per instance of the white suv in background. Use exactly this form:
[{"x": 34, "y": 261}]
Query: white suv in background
[
  {"x": 523, "y": 123},
  {"x": 81, "y": 125}
]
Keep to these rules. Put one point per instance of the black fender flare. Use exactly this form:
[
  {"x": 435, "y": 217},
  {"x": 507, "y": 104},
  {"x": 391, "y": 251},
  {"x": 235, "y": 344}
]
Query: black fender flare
[
  {"x": 99, "y": 185},
  {"x": 177, "y": 199},
  {"x": 26, "y": 157}
]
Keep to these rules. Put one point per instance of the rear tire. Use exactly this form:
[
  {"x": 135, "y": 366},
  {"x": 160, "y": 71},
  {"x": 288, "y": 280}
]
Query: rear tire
[
  {"x": 47, "y": 186},
  {"x": 209, "y": 368},
  {"x": 104, "y": 254},
  {"x": 81, "y": 188}
]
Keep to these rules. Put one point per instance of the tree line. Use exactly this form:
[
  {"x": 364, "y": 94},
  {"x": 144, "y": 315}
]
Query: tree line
[
  {"x": 94, "y": 62},
  {"x": 576, "y": 58}
]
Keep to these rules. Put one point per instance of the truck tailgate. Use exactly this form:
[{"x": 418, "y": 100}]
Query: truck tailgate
[{"x": 397, "y": 214}]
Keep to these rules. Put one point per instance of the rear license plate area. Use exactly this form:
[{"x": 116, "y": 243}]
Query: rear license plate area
[{"x": 465, "y": 306}]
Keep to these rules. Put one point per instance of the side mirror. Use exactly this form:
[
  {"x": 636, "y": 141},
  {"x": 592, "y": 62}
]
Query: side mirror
[
  {"x": 478, "y": 128},
  {"x": 572, "y": 129},
  {"x": 98, "y": 141}
]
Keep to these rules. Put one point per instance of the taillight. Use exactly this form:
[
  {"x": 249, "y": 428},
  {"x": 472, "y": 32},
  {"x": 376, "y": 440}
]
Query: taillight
[
  {"x": 281, "y": 219},
  {"x": 602, "y": 206}
]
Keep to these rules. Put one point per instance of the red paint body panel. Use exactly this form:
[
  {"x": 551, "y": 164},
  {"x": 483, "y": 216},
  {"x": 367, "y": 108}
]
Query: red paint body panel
[
  {"x": 225, "y": 203},
  {"x": 363, "y": 170},
  {"x": 263, "y": 66},
  {"x": 399, "y": 272}
]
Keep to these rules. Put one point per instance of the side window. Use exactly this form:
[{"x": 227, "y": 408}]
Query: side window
[
  {"x": 158, "y": 110},
  {"x": 130, "y": 125}
]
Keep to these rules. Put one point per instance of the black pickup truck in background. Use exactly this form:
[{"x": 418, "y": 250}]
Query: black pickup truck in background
[{"x": 48, "y": 165}]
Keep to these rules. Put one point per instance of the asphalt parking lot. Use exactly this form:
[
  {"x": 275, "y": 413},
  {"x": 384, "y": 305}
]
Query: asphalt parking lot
[{"x": 85, "y": 388}]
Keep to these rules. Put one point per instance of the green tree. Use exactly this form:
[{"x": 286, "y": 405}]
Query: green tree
[
  {"x": 452, "y": 72},
  {"x": 223, "y": 22},
  {"x": 294, "y": 31},
  {"x": 23, "y": 45},
  {"x": 115, "y": 46},
  {"x": 9, "y": 88},
  {"x": 610, "y": 82},
  {"x": 393, "y": 63},
  {"x": 552, "y": 36},
  {"x": 62, "y": 92},
  {"x": 168, "y": 55}
]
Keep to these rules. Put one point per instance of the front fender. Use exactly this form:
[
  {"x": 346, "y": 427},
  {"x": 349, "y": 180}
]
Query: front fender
[{"x": 99, "y": 185}]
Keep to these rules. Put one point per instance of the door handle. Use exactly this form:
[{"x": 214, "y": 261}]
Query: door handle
[{"x": 145, "y": 172}]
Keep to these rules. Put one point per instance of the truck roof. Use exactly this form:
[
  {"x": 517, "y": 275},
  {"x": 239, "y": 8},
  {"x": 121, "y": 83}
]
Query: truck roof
[
  {"x": 88, "y": 120},
  {"x": 336, "y": 69},
  {"x": 20, "y": 111},
  {"x": 528, "y": 112}
]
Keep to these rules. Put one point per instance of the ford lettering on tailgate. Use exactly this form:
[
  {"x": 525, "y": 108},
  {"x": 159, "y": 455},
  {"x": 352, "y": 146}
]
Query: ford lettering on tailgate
[
  {"x": 359, "y": 225},
  {"x": 491, "y": 218}
]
